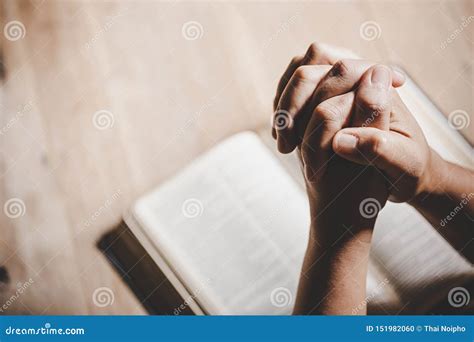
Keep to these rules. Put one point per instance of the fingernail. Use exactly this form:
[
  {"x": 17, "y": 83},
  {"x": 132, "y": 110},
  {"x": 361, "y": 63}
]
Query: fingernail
[
  {"x": 400, "y": 74},
  {"x": 346, "y": 142},
  {"x": 381, "y": 76}
]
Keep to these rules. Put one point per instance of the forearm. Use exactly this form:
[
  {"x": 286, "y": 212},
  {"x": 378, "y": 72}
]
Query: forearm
[
  {"x": 334, "y": 271},
  {"x": 448, "y": 204}
]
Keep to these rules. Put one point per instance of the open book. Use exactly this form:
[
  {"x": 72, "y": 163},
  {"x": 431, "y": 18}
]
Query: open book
[{"x": 228, "y": 233}]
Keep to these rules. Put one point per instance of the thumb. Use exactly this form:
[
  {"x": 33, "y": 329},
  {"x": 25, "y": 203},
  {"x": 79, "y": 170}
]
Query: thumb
[
  {"x": 373, "y": 98},
  {"x": 367, "y": 145}
]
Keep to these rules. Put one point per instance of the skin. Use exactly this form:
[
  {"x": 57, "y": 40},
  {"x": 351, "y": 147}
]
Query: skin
[{"x": 357, "y": 140}]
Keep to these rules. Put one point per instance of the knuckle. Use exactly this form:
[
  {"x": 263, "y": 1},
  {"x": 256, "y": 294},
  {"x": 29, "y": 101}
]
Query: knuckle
[
  {"x": 377, "y": 145},
  {"x": 372, "y": 106},
  {"x": 295, "y": 60},
  {"x": 303, "y": 73},
  {"x": 327, "y": 113},
  {"x": 384, "y": 67},
  {"x": 314, "y": 49},
  {"x": 340, "y": 68}
]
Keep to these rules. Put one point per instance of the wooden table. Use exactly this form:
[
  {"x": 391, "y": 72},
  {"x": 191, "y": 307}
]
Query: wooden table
[{"x": 167, "y": 99}]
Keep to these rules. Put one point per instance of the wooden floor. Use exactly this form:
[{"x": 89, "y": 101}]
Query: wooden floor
[{"x": 169, "y": 99}]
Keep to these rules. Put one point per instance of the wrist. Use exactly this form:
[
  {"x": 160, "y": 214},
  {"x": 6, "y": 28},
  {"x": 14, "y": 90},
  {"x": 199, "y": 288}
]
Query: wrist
[
  {"x": 333, "y": 231},
  {"x": 433, "y": 178}
]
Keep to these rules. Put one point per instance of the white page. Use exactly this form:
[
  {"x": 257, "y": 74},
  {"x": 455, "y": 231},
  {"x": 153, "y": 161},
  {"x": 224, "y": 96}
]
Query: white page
[
  {"x": 405, "y": 244},
  {"x": 381, "y": 294},
  {"x": 440, "y": 136},
  {"x": 250, "y": 238},
  {"x": 414, "y": 256}
]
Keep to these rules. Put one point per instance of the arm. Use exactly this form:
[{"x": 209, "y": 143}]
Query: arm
[
  {"x": 334, "y": 272},
  {"x": 333, "y": 277},
  {"x": 447, "y": 203},
  {"x": 441, "y": 191},
  {"x": 414, "y": 174}
]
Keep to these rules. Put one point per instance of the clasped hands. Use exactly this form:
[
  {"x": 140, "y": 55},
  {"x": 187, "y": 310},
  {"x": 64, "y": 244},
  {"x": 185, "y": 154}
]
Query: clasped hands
[
  {"x": 357, "y": 141},
  {"x": 359, "y": 145}
]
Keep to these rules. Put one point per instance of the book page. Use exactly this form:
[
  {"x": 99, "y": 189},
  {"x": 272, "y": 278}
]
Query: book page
[
  {"x": 442, "y": 137},
  {"x": 406, "y": 248},
  {"x": 415, "y": 255},
  {"x": 382, "y": 297},
  {"x": 416, "y": 259},
  {"x": 234, "y": 227}
]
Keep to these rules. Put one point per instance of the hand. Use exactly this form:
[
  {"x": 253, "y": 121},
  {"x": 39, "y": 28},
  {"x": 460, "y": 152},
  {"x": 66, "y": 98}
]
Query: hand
[
  {"x": 303, "y": 98},
  {"x": 334, "y": 269},
  {"x": 317, "y": 54},
  {"x": 311, "y": 84},
  {"x": 335, "y": 265},
  {"x": 346, "y": 194},
  {"x": 345, "y": 120},
  {"x": 299, "y": 90},
  {"x": 415, "y": 173},
  {"x": 401, "y": 152}
]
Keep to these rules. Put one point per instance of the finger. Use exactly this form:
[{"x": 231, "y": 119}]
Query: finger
[
  {"x": 290, "y": 69},
  {"x": 327, "y": 119},
  {"x": 373, "y": 99},
  {"x": 316, "y": 54},
  {"x": 367, "y": 145},
  {"x": 320, "y": 53},
  {"x": 344, "y": 76},
  {"x": 292, "y": 103}
]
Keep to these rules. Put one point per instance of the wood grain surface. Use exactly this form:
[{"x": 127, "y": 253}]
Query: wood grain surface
[{"x": 101, "y": 101}]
